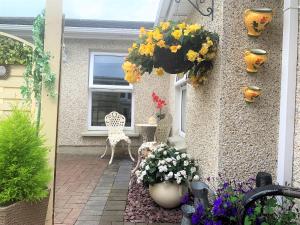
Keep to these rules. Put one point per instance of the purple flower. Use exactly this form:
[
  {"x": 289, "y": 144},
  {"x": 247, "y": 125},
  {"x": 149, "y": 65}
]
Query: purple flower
[
  {"x": 195, "y": 219},
  {"x": 250, "y": 211},
  {"x": 185, "y": 199}
]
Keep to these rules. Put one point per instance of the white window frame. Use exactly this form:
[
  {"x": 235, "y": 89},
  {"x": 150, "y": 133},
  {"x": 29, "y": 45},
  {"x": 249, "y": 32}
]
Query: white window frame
[
  {"x": 106, "y": 88},
  {"x": 179, "y": 85}
]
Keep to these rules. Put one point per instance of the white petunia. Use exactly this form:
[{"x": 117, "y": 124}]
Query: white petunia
[
  {"x": 183, "y": 155},
  {"x": 196, "y": 178},
  {"x": 144, "y": 173},
  {"x": 165, "y": 153},
  {"x": 183, "y": 173},
  {"x": 174, "y": 163},
  {"x": 168, "y": 160},
  {"x": 186, "y": 163},
  {"x": 170, "y": 174},
  {"x": 147, "y": 167},
  {"x": 178, "y": 157},
  {"x": 178, "y": 180}
]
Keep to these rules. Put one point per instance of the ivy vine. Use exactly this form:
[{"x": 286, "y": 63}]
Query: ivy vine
[
  {"x": 38, "y": 72},
  {"x": 13, "y": 52}
]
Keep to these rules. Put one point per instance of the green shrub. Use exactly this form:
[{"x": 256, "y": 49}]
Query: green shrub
[{"x": 24, "y": 170}]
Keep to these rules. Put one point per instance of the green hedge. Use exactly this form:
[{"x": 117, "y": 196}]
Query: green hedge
[{"x": 24, "y": 170}]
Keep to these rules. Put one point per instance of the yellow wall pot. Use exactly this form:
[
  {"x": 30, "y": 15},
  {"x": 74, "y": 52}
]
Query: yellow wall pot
[
  {"x": 251, "y": 93},
  {"x": 257, "y": 19},
  {"x": 255, "y": 58}
]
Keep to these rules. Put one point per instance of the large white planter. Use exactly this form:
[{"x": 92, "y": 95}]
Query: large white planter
[{"x": 166, "y": 194}]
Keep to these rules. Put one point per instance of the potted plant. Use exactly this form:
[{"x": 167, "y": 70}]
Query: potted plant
[
  {"x": 24, "y": 171},
  {"x": 159, "y": 104},
  {"x": 165, "y": 171},
  {"x": 174, "y": 48}
]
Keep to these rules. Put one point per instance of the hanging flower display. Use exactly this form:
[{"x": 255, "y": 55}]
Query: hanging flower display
[{"x": 174, "y": 48}]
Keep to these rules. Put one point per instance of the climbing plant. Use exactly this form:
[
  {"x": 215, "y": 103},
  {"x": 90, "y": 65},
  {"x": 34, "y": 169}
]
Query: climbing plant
[
  {"x": 14, "y": 52},
  {"x": 38, "y": 72}
]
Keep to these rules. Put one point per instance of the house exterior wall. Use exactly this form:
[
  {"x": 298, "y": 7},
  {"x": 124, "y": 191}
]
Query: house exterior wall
[
  {"x": 73, "y": 106},
  {"x": 10, "y": 94},
  {"x": 224, "y": 134},
  {"x": 296, "y": 163}
]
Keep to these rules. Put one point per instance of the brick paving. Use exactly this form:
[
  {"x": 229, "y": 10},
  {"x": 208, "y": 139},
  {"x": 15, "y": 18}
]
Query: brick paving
[{"x": 88, "y": 192}]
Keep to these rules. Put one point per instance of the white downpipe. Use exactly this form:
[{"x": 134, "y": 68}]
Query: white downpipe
[{"x": 288, "y": 92}]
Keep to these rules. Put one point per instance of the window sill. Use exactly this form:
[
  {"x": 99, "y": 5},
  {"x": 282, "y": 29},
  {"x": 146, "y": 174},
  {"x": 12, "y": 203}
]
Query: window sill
[
  {"x": 178, "y": 142},
  {"x": 97, "y": 133}
]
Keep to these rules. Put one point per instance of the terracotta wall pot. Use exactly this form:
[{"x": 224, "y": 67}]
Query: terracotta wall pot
[
  {"x": 255, "y": 58},
  {"x": 166, "y": 194},
  {"x": 172, "y": 63},
  {"x": 23, "y": 213},
  {"x": 257, "y": 19}
]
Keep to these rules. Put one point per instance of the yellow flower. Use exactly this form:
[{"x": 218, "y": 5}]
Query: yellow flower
[
  {"x": 147, "y": 49},
  {"x": 134, "y": 45},
  {"x": 209, "y": 41},
  {"x": 181, "y": 25},
  {"x": 159, "y": 71},
  {"x": 193, "y": 28},
  {"x": 130, "y": 50},
  {"x": 157, "y": 35},
  {"x": 164, "y": 25},
  {"x": 142, "y": 31},
  {"x": 161, "y": 44},
  {"x": 177, "y": 34},
  {"x": 132, "y": 72},
  {"x": 192, "y": 55},
  {"x": 175, "y": 48},
  {"x": 204, "y": 49}
]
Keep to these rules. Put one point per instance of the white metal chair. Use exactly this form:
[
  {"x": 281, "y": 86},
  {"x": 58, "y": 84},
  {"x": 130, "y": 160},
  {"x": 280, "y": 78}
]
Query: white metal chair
[
  {"x": 115, "y": 124},
  {"x": 161, "y": 136}
]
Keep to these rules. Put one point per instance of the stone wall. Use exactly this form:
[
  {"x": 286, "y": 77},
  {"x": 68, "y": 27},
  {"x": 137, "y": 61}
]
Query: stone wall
[{"x": 224, "y": 134}]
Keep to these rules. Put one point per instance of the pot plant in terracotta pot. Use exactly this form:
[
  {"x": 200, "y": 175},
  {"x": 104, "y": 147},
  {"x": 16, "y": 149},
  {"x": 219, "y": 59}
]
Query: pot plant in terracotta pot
[
  {"x": 24, "y": 171},
  {"x": 174, "y": 48},
  {"x": 165, "y": 171}
]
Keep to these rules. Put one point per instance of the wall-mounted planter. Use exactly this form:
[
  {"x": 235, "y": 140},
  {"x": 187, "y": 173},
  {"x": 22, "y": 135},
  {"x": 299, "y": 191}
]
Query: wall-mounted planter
[
  {"x": 255, "y": 58},
  {"x": 251, "y": 93},
  {"x": 257, "y": 19}
]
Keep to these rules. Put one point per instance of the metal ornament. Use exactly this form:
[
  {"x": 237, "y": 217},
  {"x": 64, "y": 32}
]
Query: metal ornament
[
  {"x": 196, "y": 5},
  {"x": 3, "y": 72}
]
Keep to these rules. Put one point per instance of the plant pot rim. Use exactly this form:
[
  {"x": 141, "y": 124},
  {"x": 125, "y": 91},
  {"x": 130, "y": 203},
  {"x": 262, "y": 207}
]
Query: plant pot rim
[
  {"x": 258, "y": 51},
  {"x": 268, "y": 10}
]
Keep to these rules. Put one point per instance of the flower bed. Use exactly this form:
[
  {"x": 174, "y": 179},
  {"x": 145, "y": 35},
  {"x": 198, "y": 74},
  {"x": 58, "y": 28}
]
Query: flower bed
[{"x": 141, "y": 208}]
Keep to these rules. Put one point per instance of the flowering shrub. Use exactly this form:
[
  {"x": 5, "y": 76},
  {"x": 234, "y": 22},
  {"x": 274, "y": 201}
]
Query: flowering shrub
[
  {"x": 195, "y": 46},
  {"x": 165, "y": 164},
  {"x": 227, "y": 208}
]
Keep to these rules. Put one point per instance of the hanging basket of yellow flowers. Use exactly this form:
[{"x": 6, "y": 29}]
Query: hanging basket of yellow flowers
[{"x": 174, "y": 48}]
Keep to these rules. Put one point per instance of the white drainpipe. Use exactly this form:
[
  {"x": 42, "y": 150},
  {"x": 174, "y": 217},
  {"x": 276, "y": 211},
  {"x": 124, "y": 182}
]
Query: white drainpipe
[{"x": 288, "y": 92}]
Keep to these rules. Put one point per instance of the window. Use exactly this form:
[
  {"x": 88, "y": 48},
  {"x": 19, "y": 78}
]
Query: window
[
  {"x": 108, "y": 91},
  {"x": 180, "y": 98}
]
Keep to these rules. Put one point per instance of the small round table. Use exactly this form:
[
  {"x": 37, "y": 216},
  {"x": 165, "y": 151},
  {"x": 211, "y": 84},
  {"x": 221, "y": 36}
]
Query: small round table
[{"x": 147, "y": 130}]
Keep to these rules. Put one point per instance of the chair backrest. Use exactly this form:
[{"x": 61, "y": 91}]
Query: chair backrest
[
  {"x": 115, "y": 123},
  {"x": 163, "y": 129}
]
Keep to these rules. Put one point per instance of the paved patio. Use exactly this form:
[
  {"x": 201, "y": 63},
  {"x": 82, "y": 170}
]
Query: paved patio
[{"x": 89, "y": 192}]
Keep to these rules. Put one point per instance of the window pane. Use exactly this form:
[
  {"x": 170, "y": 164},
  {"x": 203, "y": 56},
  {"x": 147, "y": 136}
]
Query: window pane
[
  {"x": 183, "y": 108},
  {"x": 105, "y": 102},
  {"x": 108, "y": 70}
]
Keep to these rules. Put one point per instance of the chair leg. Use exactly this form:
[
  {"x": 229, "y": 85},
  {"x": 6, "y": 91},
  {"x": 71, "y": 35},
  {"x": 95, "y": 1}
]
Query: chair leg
[
  {"x": 138, "y": 162},
  {"x": 112, "y": 154},
  {"x": 105, "y": 150},
  {"x": 129, "y": 151}
]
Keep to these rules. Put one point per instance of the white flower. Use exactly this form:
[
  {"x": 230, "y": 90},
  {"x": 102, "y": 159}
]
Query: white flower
[
  {"x": 193, "y": 169},
  {"x": 178, "y": 180},
  {"x": 178, "y": 157},
  {"x": 186, "y": 163},
  {"x": 177, "y": 175},
  {"x": 168, "y": 160},
  {"x": 137, "y": 173},
  {"x": 196, "y": 178},
  {"x": 165, "y": 153},
  {"x": 170, "y": 174},
  {"x": 174, "y": 163},
  {"x": 183, "y": 155},
  {"x": 147, "y": 167},
  {"x": 176, "y": 153},
  {"x": 163, "y": 162},
  {"x": 162, "y": 168},
  {"x": 151, "y": 156},
  {"x": 144, "y": 173},
  {"x": 166, "y": 178},
  {"x": 183, "y": 173}
]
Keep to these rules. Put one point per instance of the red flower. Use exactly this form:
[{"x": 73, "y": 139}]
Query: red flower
[{"x": 160, "y": 103}]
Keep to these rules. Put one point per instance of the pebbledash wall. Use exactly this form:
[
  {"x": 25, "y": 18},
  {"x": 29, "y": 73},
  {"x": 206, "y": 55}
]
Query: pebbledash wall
[
  {"x": 223, "y": 133},
  {"x": 296, "y": 164},
  {"x": 73, "y": 106}
]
